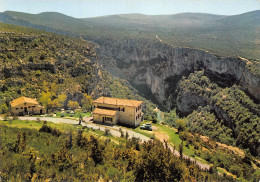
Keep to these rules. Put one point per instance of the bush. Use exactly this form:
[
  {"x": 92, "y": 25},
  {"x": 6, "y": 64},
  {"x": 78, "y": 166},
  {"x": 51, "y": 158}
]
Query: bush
[
  {"x": 38, "y": 119},
  {"x": 126, "y": 135},
  {"x": 6, "y": 118},
  {"x": 56, "y": 132},
  {"x": 107, "y": 132},
  {"x": 235, "y": 170},
  {"x": 48, "y": 129},
  {"x": 154, "y": 120},
  {"x": 149, "y": 118},
  {"x": 122, "y": 133},
  {"x": 15, "y": 117},
  {"x": 45, "y": 128}
]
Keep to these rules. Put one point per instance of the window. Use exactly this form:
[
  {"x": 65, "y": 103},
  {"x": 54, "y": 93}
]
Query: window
[
  {"x": 21, "y": 107},
  {"x": 108, "y": 119},
  {"x": 123, "y": 109},
  {"x": 16, "y": 108}
]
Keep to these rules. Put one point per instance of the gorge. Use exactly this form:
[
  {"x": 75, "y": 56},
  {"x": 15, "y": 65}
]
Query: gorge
[{"x": 158, "y": 67}]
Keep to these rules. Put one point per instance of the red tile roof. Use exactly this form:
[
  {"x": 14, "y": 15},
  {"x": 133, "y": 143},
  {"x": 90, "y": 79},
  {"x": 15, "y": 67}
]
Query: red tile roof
[
  {"x": 104, "y": 112},
  {"x": 22, "y": 100},
  {"x": 118, "y": 102}
]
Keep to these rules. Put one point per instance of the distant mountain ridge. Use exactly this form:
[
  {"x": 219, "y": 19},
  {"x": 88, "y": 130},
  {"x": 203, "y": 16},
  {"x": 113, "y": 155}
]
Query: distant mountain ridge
[
  {"x": 236, "y": 35},
  {"x": 55, "y": 19}
]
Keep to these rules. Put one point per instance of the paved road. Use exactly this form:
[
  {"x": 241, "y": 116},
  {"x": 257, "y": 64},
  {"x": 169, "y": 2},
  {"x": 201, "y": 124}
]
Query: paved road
[{"x": 114, "y": 130}]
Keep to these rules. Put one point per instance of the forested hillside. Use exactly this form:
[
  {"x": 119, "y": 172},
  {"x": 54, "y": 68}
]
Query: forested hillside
[
  {"x": 36, "y": 62},
  {"x": 48, "y": 153},
  {"x": 226, "y": 115}
]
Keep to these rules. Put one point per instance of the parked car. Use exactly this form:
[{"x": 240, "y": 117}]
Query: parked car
[
  {"x": 148, "y": 124},
  {"x": 146, "y": 127}
]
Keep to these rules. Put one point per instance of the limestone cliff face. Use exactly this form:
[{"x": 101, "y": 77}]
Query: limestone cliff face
[{"x": 159, "y": 67}]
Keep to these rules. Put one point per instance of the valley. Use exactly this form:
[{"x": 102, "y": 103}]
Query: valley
[{"x": 205, "y": 84}]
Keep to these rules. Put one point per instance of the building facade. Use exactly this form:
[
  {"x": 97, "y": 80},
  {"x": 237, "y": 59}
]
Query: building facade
[
  {"x": 118, "y": 111},
  {"x": 26, "y": 106}
]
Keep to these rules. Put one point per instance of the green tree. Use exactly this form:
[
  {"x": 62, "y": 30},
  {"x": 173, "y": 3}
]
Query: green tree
[
  {"x": 61, "y": 99},
  {"x": 181, "y": 149},
  {"x": 54, "y": 89},
  {"x": 79, "y": 138},
  {"x": 73, "y": 104},
  {"x": 180, "y": 124},
  {"x": 96, "y": 152},
  {"x": 87, "y": 102},
  {"x": 54, "y": 104},
  {"x": 45, "y": 100},
  {"x": 3, "y": 108},
  {"x": 80, "y": 119}
]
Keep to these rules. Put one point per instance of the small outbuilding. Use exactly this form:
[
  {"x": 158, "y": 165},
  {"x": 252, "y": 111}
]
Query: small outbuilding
[{"x": 26, "y": 106}]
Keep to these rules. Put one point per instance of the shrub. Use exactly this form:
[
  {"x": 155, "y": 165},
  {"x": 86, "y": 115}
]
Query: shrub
[
  {"x": 154, "y": 120},
  {"x": 56, "y": 132},
  {"x": 107, "y": 132},
  {"x": 38, "y": 119},
  {"x": 6, "y": 118},
  {"x": 15, "y": 117},
  {"x": 122, "y": 133},
  {"x": 48, "y": 129},
  {"x": 126, "y": 135},
  {"x": 235, "y": 170}
]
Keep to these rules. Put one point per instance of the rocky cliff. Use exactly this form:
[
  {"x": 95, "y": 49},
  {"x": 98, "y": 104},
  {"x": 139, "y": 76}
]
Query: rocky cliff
[{"x": 157, "y": 67}]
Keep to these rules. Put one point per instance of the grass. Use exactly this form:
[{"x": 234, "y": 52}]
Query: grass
[
  {"x": 38, "y": 124},
  {"x": 174, "y": 138},
  {"x": 76, "y": 115},
  {"x": 224, "y": 171},
  {"x": 62, "y": 127},
  {"x": 146, "y": 133}
]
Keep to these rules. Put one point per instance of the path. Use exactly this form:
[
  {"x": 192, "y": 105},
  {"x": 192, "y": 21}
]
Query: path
[{"x": 160, "y": 39}]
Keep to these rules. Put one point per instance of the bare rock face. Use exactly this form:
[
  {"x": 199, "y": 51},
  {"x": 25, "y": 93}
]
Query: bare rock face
[{"x": 159, "y": 67}]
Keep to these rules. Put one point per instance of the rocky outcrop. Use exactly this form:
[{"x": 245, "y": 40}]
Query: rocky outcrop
[
  {"x": 159, "y": 67},
  {"x": 188, "y": 102}
]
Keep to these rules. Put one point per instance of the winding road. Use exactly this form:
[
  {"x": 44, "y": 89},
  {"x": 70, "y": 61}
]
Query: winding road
[{"x": 114, "y": 130}]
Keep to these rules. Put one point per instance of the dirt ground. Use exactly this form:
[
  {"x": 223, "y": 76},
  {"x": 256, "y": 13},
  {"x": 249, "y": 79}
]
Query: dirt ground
[{"x": 161, "y": 136}]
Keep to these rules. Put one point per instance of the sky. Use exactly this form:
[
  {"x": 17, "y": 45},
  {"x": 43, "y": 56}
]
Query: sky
[{"x": 94, "y": 8}]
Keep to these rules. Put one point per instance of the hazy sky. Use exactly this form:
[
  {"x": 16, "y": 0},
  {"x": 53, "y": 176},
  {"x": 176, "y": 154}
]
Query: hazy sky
[{"x": 90, "y": 8}]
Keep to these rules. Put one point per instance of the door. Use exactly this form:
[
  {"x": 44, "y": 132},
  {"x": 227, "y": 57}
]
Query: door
[
  {"x": 41, "y": 112},
  {"x": 25, "y": 110},
  {"x": 103, "y": 120}
]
